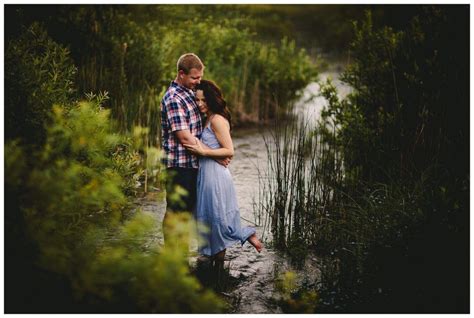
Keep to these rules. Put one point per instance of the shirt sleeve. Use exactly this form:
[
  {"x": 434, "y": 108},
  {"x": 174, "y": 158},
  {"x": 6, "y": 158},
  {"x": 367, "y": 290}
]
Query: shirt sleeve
[{"x": 177, "y": 115}]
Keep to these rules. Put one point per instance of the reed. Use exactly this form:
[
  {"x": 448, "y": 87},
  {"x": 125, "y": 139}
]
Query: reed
[
  {"x": 310, "y": 204},
  {"x": 299, "y": 187}
]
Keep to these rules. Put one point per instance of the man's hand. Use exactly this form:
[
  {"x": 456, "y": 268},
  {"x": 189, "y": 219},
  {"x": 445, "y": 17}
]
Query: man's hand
[
  {"x": 199, "y": 149},
  {"x": 225, "y": 161},
  {"x": 196, "y": 149}
]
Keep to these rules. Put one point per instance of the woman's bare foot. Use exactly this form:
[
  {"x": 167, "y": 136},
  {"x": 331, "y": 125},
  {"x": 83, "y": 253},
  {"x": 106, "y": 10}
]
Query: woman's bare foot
[{"x": 253, "y": 239}]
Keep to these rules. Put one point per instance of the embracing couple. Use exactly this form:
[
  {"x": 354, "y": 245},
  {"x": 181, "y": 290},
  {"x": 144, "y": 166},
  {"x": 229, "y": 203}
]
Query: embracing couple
[{"x": 196, "y": 125}]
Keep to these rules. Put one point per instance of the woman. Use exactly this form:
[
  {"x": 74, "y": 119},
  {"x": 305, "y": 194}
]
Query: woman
[{"x": 216, "y": 199}]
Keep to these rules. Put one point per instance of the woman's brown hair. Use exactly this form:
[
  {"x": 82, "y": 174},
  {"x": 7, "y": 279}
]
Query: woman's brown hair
[{"x": 214, "y": 99}]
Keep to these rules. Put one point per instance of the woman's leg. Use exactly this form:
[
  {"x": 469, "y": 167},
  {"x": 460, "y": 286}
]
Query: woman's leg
[
  {"x": 253, "y": 239},
  {"x": 220, "y": 256},
  {"x": 219, "y": 269},
  {"x": 219, "y": 261}
]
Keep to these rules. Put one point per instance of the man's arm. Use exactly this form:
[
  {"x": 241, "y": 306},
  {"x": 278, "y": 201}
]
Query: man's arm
[{"x": 185, "y": 137}]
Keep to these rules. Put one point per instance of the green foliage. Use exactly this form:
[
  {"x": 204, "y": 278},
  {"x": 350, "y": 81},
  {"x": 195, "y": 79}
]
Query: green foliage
[
  {"x": 368, "y": 119},
  {"x": 377, "y": 200},
  {"x": 305, "y": 174},
  {"x": 294, "y": 298},
  {"x": 72, "y": 185},
  {"x": 38, "y": 73},
  {"x": 260, "y": 80},
  {"x": 156, "y": 279},
  {"x": 116, "y": 53},
  {"x": 131, "y": 52},
  {"x": 15, "y": 164},
  {"x": 392, "y": 132},
  {"x": 69, "y": 192},
  {"x": 402, "y": 87},
  {"x": 75, "y": 211}
]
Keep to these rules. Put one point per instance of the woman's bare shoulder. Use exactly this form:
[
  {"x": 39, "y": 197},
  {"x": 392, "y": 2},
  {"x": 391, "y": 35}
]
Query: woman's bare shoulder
[{"x": 219, "y": 121}]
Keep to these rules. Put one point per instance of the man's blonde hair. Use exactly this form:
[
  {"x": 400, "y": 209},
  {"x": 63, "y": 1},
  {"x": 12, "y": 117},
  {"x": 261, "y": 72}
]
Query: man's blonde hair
[{"x": 188, "y": 61}]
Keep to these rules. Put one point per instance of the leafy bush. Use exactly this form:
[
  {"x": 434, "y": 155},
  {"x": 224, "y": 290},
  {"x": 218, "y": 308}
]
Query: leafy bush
[
  {"x": 156, "y": 279},
  {"x": 38, "y": 73},
  {"x": 261, "y": 80},
  {"x": 74, "y": 210},
  {"x": 402, "y": 88},
  {"x": 369, "y": 189},
  {"x": 121, "y": 55},
  {"x": 71, "y": 187},
  {"x": 131, "y": 52},
  {"x": 70, "y": 175},
  {"x": 392, "y": 134}
]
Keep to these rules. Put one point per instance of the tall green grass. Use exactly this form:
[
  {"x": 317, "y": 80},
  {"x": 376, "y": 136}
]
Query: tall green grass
[
  {"x": 311, "y": 206},
  {"x": 304, "y": 173}
]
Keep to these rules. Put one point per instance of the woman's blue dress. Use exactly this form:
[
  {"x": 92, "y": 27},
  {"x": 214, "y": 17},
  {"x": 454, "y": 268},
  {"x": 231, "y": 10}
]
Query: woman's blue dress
[{"x": 217, "y": 206}]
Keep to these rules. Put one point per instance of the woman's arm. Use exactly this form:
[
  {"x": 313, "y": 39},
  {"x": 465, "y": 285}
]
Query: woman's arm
[{"x": 221, "y": 128}]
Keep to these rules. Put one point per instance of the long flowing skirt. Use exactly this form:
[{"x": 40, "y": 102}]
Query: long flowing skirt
[{"x": 217, "y": 209}]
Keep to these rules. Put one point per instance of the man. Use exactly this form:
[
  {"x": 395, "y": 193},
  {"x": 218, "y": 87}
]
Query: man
[{"x": 181, "y": 124}]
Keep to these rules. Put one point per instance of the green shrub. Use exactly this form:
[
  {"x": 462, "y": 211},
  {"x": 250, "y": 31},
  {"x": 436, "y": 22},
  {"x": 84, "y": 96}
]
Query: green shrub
[
  {"x": 156, "y": 279},
  {"x": 131, "y": 52},
  {"x": 122, "y": 55},
  {"x": 392, "y": 133},
  {"x": 402, "y": 87},
  {"x": 260, "y": 80},
  {"x": 38, "y": 73},
  {"x": 72, "y": 186},
  {"x": 74, "y": 210}
]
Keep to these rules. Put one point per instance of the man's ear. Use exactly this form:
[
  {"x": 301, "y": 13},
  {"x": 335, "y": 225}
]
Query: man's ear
[{"x": 181, "y": 73}]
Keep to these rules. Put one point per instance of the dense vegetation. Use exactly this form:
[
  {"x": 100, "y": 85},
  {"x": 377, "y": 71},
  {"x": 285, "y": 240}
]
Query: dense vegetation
[
  {"x": 82, "y": 92},
  {"x": 399, "y": 131},
  {"x": 381, "y": 189},
  {"x": 72, "y": 242},
  {"x": 131, "y": 51}
]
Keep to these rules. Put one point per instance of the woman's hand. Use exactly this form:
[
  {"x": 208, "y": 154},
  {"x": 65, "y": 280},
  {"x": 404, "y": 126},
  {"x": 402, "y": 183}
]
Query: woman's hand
[{"x": 196, "y": 148}]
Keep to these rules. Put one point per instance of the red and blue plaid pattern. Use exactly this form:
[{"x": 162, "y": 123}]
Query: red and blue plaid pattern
[{"x": 179, "y": 111}]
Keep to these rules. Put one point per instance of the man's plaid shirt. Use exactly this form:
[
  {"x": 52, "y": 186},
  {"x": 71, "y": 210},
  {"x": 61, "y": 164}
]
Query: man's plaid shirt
[{"x": 179, "y": 111}]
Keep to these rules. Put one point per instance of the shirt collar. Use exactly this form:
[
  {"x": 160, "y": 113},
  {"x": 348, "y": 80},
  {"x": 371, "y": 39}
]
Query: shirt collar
[{"x": 189, "y": 91}]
